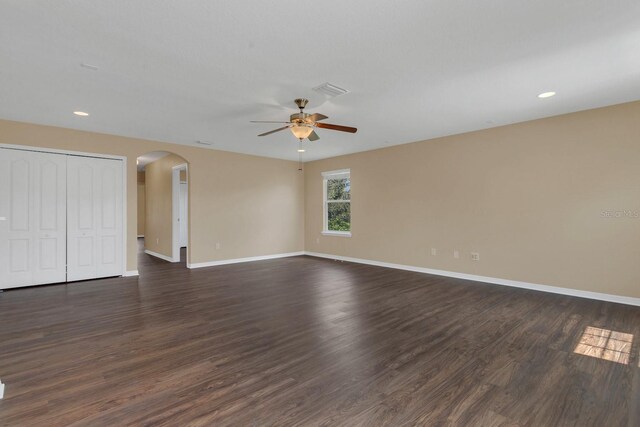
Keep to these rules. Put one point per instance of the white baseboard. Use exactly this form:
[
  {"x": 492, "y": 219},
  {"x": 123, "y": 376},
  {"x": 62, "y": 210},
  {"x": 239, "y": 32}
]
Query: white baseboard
[
  {"x": 130, "y": 273},
  {"x": 157, "y": 255},
  {"x": 248, "y": 259},
  {"x": 505, "y": 282}
]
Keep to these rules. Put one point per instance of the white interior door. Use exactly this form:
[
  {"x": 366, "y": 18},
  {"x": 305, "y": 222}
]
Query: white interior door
[
  {"x": 32, "y": 218},
  {"x": 184, "y": 224},
  {"x": 94, "y": 218}
]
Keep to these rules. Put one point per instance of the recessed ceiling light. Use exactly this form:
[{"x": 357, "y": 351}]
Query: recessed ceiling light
[
  {"x": 546, "y": 94},
  {"x": 80, "y": 113},
  {"x": 301, "y": 150}
]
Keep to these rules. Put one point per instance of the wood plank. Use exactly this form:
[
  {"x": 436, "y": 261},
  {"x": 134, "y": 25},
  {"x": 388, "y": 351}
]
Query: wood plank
[{"x": 307, "y": 341}]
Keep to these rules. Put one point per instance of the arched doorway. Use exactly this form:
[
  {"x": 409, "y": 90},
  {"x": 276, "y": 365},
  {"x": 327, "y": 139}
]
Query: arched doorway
[{"x": 163, "y": 205}]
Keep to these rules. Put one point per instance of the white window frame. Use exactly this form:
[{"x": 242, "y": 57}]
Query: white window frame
[{"x": 337, "y": 174}]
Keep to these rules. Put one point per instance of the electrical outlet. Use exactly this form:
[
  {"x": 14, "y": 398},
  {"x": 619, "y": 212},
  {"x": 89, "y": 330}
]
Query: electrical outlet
[
  {"x": 218, "y": 245},
  {"x": 157, "y": 240},
  {"x": 434, "y": 251},
  {"x": 456, "y": 254},
  {"x": 475, "y": 256},
  {"x": 317, "y": 240}
]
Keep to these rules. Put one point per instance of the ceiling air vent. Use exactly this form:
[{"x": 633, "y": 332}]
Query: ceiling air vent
[{"x": 330, "y": 90}]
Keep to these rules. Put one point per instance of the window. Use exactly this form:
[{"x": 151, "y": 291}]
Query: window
[{"x": 337, "y": 202}]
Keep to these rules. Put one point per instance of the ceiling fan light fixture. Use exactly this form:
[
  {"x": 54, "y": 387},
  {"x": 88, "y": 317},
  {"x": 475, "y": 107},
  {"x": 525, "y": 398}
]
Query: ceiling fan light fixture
[
  {"x": 302, "y": 124},
  {"x": 301, "y": 131}
]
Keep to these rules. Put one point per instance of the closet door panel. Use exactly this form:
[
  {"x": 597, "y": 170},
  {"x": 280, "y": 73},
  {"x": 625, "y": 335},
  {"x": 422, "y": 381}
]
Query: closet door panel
[
  {"x": 19, "y": 258},
  {"x": 20, "y": 190},
  {"x": 17, "y": 235},
  {"x": 109, "y": 225},
  {"x": 32, "y": 218},
  {"x": 50, "y": 218},
  {"x": 80, "y": 219},
  {"x": 94, "y": 218}
]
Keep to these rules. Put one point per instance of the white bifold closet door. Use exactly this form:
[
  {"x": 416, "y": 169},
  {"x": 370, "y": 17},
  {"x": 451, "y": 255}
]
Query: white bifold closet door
[
  {"x": 94, "y": 218},
  {"x": 32, "y": 218}
]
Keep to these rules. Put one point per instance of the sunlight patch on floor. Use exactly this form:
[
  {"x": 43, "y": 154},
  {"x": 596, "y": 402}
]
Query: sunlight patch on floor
[{"x": 605, "y": 344}]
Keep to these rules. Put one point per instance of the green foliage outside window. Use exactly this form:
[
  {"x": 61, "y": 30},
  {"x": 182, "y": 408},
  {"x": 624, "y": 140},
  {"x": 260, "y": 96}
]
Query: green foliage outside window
[{"x": 339, "y": 211}]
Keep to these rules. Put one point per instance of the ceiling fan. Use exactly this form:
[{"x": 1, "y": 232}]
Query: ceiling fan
[{"x": 302, "y": 124}]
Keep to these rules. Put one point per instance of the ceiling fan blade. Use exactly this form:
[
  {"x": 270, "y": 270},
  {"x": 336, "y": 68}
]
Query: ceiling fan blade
[
  {"x": 317, "y": 117},
  {"x": 265, "y": 121},
  {"x": 337, "y": 127},
  {"x": 313, "y": 136},
  {"x": 274, "y": 131}
]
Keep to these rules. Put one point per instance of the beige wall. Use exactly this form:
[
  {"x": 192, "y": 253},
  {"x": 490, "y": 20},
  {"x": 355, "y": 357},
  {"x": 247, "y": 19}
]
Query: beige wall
[
  {"x": 159, "y": 209},
  {"x": 250, "y": 205},
  {"x": 141, "y": 204},
  {"x": 528, "y": 197}
]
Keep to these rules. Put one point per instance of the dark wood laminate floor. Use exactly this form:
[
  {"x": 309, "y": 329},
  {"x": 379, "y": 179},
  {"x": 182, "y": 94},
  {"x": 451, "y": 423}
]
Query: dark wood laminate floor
[{"x": 307, "y": 341}]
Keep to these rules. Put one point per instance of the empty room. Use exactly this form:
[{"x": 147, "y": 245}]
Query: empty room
[{"x": 362, "y": 213}]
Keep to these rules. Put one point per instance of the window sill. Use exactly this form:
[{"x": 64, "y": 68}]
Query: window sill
[{"x": 337, "y": 233}]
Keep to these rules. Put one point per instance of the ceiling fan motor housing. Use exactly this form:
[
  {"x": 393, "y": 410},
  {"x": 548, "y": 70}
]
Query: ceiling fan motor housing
[
  {"x": 301, "y": 102},
  {"x": 298, "y": 117}
]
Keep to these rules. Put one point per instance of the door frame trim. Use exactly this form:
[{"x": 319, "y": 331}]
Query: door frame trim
[
  {"x": 97, "y": 156},
  {"x": 175, "y": 211}
]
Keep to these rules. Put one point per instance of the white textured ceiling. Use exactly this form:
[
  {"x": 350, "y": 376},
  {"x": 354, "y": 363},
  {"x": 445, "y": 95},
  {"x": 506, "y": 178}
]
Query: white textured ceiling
[{"x": 181, "y": 71}]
